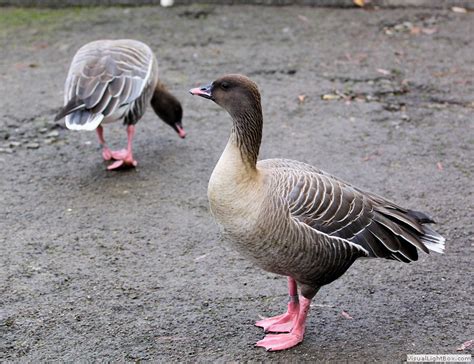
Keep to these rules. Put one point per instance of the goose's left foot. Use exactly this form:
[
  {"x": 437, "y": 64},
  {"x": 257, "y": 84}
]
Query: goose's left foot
[
  {"x": 274, "y": 342},
  {"x": 124, "y": 157}
]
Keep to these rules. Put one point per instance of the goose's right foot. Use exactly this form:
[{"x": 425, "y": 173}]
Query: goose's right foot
[
  {"x": 281, "y": 323},
  {"x": 127, "y": 162},
  {"x": 119, "y": 155}
]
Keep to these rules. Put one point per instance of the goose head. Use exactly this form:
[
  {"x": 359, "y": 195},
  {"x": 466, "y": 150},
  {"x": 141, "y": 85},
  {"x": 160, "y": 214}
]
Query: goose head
[
  {"x": 237, "y": 94},
  {"x": 169, "y": 109}
]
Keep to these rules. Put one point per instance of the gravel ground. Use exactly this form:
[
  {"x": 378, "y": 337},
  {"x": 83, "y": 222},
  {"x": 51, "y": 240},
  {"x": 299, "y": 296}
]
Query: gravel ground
[{"x": 128, "y": 265}]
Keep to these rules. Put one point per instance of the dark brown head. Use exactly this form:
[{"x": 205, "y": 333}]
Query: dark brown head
[
  {"x": 168, "y": 108},
  {"x": 237, "y": 94},
  {"x": 240, "y": 97}
]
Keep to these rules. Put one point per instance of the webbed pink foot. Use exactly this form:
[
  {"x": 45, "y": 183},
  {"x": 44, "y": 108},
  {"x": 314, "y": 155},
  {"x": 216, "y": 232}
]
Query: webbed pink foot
[
  {"x": 275, "y": 342},
  {"x": 281, "y": 323},
  {"x": 106, "y": 154},
  {"x": 296, "y": 316},
  {"x": 122, "y": 164},
  {"x": 119, "y": 154}
]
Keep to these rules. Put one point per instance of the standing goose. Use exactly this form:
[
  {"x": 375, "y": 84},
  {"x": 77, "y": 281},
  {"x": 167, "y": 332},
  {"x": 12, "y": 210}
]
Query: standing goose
[
  {"x": 113, "y": 79},
  {"x": 296, "y": 220}
]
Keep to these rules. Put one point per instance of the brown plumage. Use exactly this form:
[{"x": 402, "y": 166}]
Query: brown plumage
[{"x": 293, "y": 219}]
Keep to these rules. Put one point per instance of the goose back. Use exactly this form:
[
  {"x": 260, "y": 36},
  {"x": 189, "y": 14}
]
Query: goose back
[
  {"x": 333, "y": 207},
  {"x": 108, "y": 80}
]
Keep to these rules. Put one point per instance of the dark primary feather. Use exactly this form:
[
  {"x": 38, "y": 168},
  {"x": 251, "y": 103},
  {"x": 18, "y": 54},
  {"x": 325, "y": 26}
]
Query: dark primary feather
[{"x": 71, "y": 106}]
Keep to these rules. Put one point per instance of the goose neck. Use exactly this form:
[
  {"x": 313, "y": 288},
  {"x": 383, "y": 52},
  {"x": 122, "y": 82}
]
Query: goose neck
[{"x": 247, "y": 135}]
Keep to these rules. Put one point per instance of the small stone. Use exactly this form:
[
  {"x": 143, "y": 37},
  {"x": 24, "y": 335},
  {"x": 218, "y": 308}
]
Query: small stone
[
  {"x": 32, "y": 146},
  {"x": 43, "y": 130},
  {"x": 14, "y": 144},
  {"x": 53, "y": 133},
  {"x": 6, "y": 150}
]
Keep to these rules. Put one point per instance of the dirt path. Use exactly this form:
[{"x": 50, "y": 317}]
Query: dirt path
[{"x": 98, "y": 265}]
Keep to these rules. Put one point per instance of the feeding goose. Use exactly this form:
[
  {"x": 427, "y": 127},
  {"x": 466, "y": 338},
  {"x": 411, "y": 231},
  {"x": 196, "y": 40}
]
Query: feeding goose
[
  {"x": 293, "y": 219},
  {"x": 109, "y": 80}
]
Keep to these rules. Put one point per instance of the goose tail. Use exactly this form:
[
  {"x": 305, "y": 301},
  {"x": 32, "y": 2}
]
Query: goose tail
[
  {"x": 83, "y": 120},
  {"x": 433, "y": 241},
  {"x": 78, "y": 117},
  {"x": 430, "y": 238}
]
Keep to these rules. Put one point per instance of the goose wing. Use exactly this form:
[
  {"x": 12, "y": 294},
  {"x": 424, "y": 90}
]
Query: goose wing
[
  {"x": 335, "y": 208},
  {"x": 106, "y": 79}
]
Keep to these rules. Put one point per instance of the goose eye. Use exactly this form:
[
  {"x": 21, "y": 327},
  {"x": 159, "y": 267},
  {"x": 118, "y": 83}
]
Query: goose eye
[{"x": 225, "y": 85}]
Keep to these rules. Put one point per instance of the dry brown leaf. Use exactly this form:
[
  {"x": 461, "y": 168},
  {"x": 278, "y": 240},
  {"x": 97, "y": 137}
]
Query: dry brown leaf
[
  {"x": 383, "y": 72},
  {"x": 346, "y": 315},
  {"x": 20, "y": 66},
  {"x": 329, "y": 97},
  {"x": 301, "y": 98},
  {"x": 360, "y": 3},
  {"x": 439, "y": 165},
  {"x": 467, "y": 345},
  {"x": 429, "y": 31},
  {"x": 458, "y": 9},
  {"x": 415, "y": 30},
  {"x": 303, "y": 18}
]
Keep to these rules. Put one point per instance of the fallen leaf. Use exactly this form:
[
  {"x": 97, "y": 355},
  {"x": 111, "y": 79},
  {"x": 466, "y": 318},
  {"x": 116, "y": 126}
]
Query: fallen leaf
[
  {"x": 40, "y": 45},
  {"x": 439, "y": 165},
  {"x": 415, "y": 30},
  {"x": 360, "y": 3},
  {"x": 467, "y": 345},
  {"x": 369, "y": 157},
  {"x": 20, "y": 66},
  {"x": 458, "y": 9},
  {"x": 301, "y": 98},
  {"x": 329, "y": 97},
  {"x": 303, "y": 18},
  {"x": 346, "y": 315},
  {"x": 383, "y": 72},
  {"x": 429, "y": 31}
]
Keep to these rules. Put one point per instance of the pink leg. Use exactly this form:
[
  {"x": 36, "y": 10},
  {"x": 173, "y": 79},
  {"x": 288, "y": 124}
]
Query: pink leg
[
  {"x": 125, "y": 157},
  {"x": 274, "y": 342},
  {"x": 106, "y": 153},
  {"x": 285, "y": 322}
]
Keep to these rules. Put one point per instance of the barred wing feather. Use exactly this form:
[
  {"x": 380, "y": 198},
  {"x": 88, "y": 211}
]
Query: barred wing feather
[
  {"x": 335, "y": 208},
  {"x": 106, "y": 80}
]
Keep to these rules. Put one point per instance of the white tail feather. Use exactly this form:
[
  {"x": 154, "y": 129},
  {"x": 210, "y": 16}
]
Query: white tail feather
[
  {"x": 435, "y": 244},
  {"x": 91, "y": 124}
]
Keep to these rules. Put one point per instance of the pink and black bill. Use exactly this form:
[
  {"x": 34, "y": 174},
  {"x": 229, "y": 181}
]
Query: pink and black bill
[
  {"x": 179, "y": 129},
  {"x": 205, "y": 91}
]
